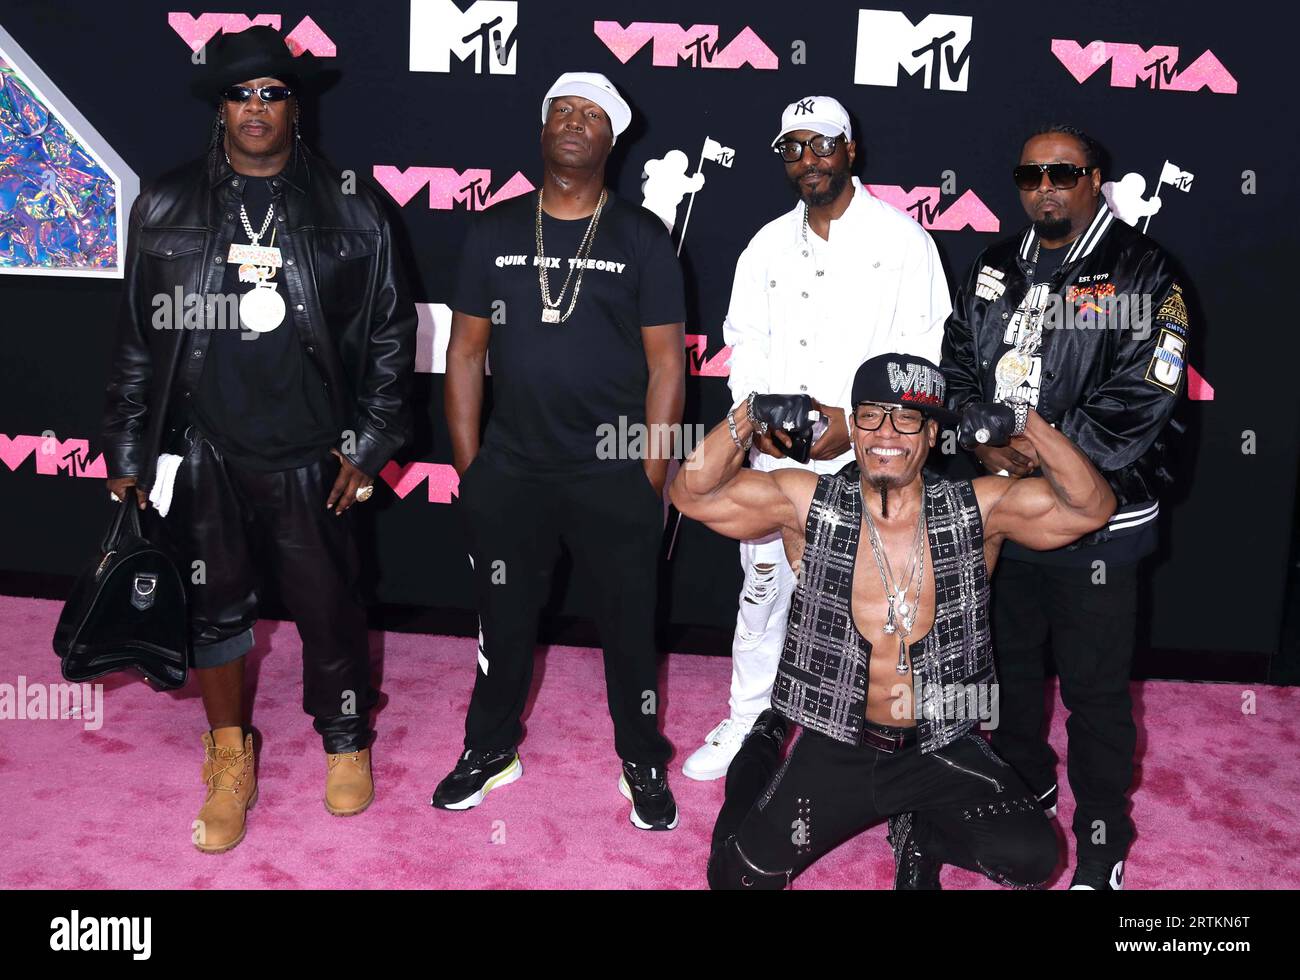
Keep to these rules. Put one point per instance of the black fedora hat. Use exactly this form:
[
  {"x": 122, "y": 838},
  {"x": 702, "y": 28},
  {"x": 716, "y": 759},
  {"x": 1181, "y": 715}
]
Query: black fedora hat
[{"x": 258, "y": 52}]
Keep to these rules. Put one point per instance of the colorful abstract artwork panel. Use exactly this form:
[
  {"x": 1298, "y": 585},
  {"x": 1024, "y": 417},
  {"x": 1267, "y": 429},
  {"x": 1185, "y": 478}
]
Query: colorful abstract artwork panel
[{"x": 58, "y": 205}]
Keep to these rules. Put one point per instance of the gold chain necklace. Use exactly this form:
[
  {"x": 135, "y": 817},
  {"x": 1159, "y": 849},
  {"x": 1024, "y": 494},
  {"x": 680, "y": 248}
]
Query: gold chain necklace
[{"x": 551, "y": 308}]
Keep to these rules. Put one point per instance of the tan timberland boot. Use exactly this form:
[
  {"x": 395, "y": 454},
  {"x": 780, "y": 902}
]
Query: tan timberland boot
[
  {"x": 232, "y": 790},
  {"x": 349, "y": 785}
]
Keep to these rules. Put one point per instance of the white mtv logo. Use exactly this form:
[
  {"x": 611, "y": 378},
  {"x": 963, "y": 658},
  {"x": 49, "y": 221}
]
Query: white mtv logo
[
  {"x": 939, "y": 46},
  {"x": 485, "y": 32}
]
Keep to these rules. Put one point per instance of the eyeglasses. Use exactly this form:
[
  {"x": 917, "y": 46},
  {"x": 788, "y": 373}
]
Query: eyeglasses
[
  {"x": 267, "y": 93},
  {"x": 1062, "y": 175},
  {"x": 791, "y": 149},
  {"x": 906, "y": 421}
]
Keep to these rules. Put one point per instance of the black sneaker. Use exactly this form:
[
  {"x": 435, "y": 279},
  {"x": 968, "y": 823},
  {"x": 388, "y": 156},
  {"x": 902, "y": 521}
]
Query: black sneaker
[
  {"x": 1098, "y": 876},
  {"x": 653, "y": 806},
  {"x": 476, "y": 774},
  {"x": 913, "y": 870}
]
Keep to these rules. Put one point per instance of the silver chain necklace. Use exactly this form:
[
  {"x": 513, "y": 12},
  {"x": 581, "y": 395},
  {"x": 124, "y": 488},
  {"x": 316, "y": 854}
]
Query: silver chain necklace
[
  {"x": 902, "y": 614},
  {"x": 248, "y": 226},
  {"x": 808, "y": 241},
  {"x": 551, "y": 308}
]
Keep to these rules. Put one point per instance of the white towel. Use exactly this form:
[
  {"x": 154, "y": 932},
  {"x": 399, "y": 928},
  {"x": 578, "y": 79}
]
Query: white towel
[{"x": 164, "y": 482}]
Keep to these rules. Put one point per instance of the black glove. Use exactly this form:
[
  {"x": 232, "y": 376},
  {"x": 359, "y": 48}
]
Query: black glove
[
  {"x": 995, "y": 422},
  {"x": 792, "y": 414}
]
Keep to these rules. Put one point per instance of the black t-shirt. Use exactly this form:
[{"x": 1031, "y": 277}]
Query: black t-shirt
[
  {"x": 558, "y": 388},
  {"x": 260, "y": 398}
]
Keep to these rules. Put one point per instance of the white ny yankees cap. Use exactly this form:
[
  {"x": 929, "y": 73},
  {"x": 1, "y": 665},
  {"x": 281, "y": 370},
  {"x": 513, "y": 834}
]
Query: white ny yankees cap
[
  {"x": 817, "y": 114},
  {"x": 596, "y": 88}
]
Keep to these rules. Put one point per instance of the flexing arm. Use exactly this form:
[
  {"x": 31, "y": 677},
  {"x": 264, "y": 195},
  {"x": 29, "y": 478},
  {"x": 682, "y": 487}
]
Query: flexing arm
[
  {"x": 712, "y": 488},
  {"x": 1071, "y": 498}
]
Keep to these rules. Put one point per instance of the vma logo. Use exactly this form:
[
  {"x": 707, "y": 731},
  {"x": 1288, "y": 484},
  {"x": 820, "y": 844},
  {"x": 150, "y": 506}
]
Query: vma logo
[
  {"x": 925, "y": 205},
  {"x": 938, "y": 48},
  {"x": 198, "y": 31},
  {"x": 697, "y": 45},
  {"x": 485, "y": 33},
  {"x": 443, "y": 482},
  {"x": 1157, "y": 67},
  {"x": 448, "y": 186},
  {"x": 70, "y": 457}
]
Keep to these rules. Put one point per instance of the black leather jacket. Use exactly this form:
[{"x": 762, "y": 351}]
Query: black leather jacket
[
  {"x": 346, "y": 295},
  {"x": 1108, "y": 386}
]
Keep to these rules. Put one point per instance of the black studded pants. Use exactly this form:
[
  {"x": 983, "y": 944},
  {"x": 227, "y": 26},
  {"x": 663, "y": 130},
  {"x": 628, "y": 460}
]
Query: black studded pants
[{"x": 970, "y": 807}]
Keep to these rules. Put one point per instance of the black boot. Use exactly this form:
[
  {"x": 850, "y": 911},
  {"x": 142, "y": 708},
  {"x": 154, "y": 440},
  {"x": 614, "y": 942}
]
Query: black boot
[
  {"x": 770, "y": 724},
  {"x": 913, "y": 870},
  {"x": 750, "y": 771},
  {"x": 729, "y": 869}
]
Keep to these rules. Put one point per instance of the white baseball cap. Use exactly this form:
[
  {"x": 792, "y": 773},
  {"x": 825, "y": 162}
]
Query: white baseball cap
[
  {"x": 817, "y": 114},
  {"x": 597, "y": 88}
]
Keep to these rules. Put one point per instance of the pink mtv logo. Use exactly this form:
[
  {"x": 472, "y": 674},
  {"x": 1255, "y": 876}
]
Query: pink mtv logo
[
  {"x": 1157, "y": 66},
  {"x": 717, "y": 366},
  {"x": 53, "y": 456},
  {"x": 444, "y": 482},
  {"x": 923, "y": 204},
  {"x": 198, "y": 31},
  {"x": 672, "y": 43},
  {"x": 448, "y": 187}
]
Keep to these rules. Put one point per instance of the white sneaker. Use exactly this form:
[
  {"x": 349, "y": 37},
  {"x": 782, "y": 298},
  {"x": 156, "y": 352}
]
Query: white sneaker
[{"x": 720, "y": 747}]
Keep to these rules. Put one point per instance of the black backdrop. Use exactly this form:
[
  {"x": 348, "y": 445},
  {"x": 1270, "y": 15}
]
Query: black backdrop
[{"x": 1218, "y": 584}]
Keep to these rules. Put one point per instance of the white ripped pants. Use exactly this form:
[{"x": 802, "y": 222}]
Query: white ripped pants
[{"x": 760, "y": 625}]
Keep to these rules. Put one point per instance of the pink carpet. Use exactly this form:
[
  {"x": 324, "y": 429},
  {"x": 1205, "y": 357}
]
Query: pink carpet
[{"x": 1216, "y": 804}]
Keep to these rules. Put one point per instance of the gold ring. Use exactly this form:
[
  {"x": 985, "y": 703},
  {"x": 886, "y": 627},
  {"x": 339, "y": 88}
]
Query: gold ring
[{"x": 363, "y": 493}]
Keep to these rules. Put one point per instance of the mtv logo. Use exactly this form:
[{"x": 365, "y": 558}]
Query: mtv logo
[
  {"x": 939, "y": 46},
  {"x": 924, "y": 205},
  {"x": 432, "y": 334},
  {"x": 485, "y": 33},
  {"x": 717, "y": 366},
  {"x": 448, "y": 186}
]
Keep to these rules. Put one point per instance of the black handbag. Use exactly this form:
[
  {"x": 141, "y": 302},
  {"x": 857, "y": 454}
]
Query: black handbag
[{"x": 127, "y": 611}]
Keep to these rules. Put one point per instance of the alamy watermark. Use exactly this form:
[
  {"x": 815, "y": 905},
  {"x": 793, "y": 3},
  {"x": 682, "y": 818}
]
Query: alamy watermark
[
  {"x": 53, "y": 702},
  {"x": 947, "y": 702},
  {"x": 656, "y": 440}
]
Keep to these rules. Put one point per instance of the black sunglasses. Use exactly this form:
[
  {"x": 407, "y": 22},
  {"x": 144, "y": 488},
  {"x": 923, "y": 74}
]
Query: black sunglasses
[
  {"x": 791, "y": 149},
  {"x": 267, "y": 93},
  {"x": 1062, "y": 175},
  {"x": 906, "y": 421}
]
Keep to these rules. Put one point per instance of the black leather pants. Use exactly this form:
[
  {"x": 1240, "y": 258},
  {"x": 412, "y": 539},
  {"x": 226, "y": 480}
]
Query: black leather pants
[{"x": 227, "y": 524}]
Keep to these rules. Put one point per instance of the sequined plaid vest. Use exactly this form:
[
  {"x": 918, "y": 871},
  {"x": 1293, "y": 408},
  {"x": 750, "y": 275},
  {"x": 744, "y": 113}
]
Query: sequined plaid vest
[{"x": 822, "y": 680}]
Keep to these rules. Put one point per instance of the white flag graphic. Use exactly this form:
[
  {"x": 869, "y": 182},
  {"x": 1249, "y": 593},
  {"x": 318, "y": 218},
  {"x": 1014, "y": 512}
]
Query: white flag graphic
[
  {"x": 715, "y": 151},
  {"x": 1170, "y": 174}
]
